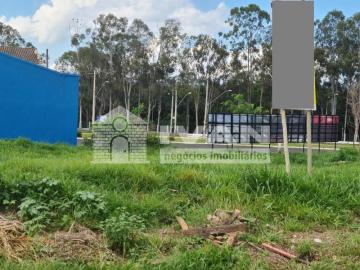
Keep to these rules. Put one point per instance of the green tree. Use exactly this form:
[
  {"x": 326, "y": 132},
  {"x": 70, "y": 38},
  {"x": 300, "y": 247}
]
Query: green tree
[
  {"x": 248, "y": 28},
  {"x": 210, "y": 65},
  {"x": 327, "y": 38},
  {"x": 11, "y": 37},
  {"x": 238, "y": 104}
]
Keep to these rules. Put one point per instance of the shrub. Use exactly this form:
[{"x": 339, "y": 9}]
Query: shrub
[
  {"x": 88, "y": 205},
  {"x": 123, "y": 231},
  {"x": 346, "y": 155},
  {"x": 46, "y": 204}
]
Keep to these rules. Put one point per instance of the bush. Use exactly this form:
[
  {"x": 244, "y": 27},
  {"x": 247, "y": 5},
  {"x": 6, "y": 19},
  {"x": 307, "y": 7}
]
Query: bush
[
  {"x": 123, "y": 231},
  {"x": 346, "y": 155},
  {"x": 88, "y": 205},
  {"x": 42, "y": 203},
  {"x": 46, "y": 204}
]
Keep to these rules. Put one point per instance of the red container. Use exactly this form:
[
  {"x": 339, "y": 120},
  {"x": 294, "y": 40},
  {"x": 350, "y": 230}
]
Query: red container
[{"x": 326, "y": 120}]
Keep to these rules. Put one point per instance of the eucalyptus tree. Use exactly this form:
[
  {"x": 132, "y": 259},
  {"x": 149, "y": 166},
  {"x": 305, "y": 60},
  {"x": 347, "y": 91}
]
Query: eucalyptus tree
[
  {"x": 11, "y": 37},
  {"x": 170, "y": 44},
  {"x": 248, "y": 28},
  {"x": 263, "y": 67},
  {"x": 126, "y": 46},
  {"x": 354, "y": 103},
  {"x": 349, "y": 54},
  {"x": 85, "y": 61},
  {"x": 210, "y": 63},
  {"x": 327, "y": 38},
  {"x": 141, "y": 38}
]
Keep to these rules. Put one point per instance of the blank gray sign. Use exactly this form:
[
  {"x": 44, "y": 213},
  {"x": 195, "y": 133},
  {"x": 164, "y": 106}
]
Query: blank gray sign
[{"x": 293, "y": 55}]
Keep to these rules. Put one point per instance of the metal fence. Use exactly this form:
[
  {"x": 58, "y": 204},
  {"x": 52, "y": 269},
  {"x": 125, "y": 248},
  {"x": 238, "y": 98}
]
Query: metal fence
[{"x": 255, "y": 128}]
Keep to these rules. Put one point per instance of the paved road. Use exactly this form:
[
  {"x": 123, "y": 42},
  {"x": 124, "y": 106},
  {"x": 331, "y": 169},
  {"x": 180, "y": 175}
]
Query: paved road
[{"x": 273, "y": 149}]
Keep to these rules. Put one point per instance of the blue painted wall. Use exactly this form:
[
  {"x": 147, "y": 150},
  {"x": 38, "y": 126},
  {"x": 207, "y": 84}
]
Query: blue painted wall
[{"x": 37, "y": 103}]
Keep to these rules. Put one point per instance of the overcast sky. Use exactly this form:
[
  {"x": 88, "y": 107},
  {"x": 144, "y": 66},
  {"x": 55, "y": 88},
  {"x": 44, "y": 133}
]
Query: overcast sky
[{"x": 46, "y": 23}]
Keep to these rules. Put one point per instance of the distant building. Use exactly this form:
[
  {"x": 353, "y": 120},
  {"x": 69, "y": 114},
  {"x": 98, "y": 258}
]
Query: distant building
[{"x": 36, "y": 103}]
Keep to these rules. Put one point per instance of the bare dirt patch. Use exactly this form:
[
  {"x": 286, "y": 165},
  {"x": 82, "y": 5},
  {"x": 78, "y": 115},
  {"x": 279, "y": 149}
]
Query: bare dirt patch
[{"x": 77, "y": 244}]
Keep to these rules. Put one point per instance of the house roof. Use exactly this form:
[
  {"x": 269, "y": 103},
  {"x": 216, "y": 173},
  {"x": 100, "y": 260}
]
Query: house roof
[
  {"x": 121, "y": 111},
  {"x": 27, "y": 54}
]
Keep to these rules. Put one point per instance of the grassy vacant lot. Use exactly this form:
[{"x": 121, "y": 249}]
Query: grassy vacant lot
[{"x": 53, "y": 189}]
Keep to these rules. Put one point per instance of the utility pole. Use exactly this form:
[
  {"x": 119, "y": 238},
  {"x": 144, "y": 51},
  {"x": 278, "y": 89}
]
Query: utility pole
[
  {"x": 94, "y": 99},
  {"x": 47, "y": 58},
  {"x": 80, "y": 113}
]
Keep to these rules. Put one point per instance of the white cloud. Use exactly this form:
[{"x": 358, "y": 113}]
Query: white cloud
[{"x": 50, "y": 23}]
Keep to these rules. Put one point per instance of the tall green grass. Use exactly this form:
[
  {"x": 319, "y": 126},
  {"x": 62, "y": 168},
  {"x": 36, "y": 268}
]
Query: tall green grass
[{"x": 157, "y": 193}]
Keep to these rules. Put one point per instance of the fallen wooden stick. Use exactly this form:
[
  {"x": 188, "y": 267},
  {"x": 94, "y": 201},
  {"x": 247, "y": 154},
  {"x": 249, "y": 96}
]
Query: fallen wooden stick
[
  {"x": 278, "y": 251},
  {"x": 182, "y": 223},
  {"x": 283, "y": 253}
]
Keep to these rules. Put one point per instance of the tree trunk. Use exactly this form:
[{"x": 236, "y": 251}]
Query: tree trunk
[
  {"x": 128, "y": 102},
  {"x": 196, "y": 103},
  {"x": 187, "y": 115},
  {"x": 206, "y": 105},
  {"x": 356, "y": 132},
  {"x": 175, "y": 110},
  {"x": 248, "y": 74},
  {"x": 94, "y": 99},
  {"x": 333, "y": 105},
  {"x": 262, "y": 92},
  {"x": 172, "y": 111},
  {"x": 346, "y": 115},
  {"x": 149, "y": 110},
  {"x": 110, "y": 103},
  {"x": 159, "y": 110}
]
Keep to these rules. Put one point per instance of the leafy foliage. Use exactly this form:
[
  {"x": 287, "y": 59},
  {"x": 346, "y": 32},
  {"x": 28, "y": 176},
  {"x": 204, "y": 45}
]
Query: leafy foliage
[
  {"x": 45, "y": 204},
  {"x": 238, "y": 104},
  {"x": 123, "y": 231},
  {"x": 11, "y": 37}
]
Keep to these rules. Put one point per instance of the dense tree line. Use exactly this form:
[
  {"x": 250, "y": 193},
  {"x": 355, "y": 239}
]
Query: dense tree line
[{"x": 172, "y": 75}]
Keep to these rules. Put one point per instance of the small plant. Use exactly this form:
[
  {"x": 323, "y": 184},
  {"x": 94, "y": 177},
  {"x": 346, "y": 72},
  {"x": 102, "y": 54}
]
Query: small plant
[
  {"x": 88, "y": 205},
  {"x": 305, "y": 251},
  {"x": 123, "y": 231},
  {"x": 46, "y": 204},
  {"x": 37, "y": 215}
]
